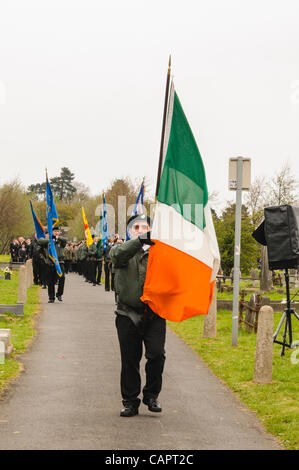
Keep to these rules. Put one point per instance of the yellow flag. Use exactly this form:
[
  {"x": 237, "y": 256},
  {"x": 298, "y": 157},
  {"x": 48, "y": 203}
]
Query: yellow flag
[{"x": 88, "y": 236}]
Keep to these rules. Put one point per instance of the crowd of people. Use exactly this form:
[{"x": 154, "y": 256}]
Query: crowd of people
[
  {"x": 90, "y": 262},
  {"x": 21, "y": 249}
]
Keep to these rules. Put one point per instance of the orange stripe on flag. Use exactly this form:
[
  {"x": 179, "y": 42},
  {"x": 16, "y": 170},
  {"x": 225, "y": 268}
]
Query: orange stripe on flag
[{"x": 177, "y": 286}]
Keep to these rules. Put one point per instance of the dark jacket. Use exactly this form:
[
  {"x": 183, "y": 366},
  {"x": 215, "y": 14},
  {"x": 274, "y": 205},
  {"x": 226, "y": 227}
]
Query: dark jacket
[
  {"x": 60, "y": 243},
  {"x": 130, "y": 264}
]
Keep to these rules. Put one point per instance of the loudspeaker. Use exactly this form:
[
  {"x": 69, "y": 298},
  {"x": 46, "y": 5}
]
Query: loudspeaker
[{"x": 280, "y": 233}]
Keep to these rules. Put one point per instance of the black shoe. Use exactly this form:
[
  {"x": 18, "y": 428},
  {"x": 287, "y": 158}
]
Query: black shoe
[
  {"x": 51, "y": 301},
  {"x": 59, "y": 298},
  {"x": 153, "y": 404},
  {"x": 94, "y": 284},
  {"x": 130, "y": 409}
]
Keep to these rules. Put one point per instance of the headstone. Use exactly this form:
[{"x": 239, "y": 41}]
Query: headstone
[
  {"x": 250, "y": 314},
  {"x": 254, "y": 274},
  {"x": 266, "y": 276},
  {"x": 264, "y": 346},
  {"x": 210, "y": 321},
  {"x": 22, "y": 291},
  {"x": 29, "y": 273},
  {"x": 5, "y": 339}
]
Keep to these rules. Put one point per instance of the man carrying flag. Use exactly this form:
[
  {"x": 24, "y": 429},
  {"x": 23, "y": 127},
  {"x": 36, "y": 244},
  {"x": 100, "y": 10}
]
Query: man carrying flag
[
  {"x": 55, "y": 245},
  {"x": 171, "y": 275}
]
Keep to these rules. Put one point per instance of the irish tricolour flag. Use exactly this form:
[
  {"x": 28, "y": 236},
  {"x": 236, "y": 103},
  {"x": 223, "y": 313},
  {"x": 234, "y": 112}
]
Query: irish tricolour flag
[{"x": 183, "y": 263}]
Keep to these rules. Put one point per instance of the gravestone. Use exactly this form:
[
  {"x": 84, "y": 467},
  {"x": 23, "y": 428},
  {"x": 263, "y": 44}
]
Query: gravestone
[
  {"x": 254, "y": 274},
  {"x": 5, "y": 339},
  {"x": 210, "y": 321},
  {"x": 22, "y": 290},
  {"x": 264, "y": 346},
  {"x": 266, "y": 276}
]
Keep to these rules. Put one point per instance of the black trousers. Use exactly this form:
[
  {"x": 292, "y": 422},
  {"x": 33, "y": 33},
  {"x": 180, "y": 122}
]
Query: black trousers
[
  {"x": 95, "y": 271},
  {"x": 35, "y": 267},
  {"x": 131, "y": 341},
  {"x": 107, "y": 276},
  {"x": 51, "y": 281}
]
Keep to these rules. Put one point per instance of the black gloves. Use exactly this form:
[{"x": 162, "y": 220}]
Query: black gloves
[{"x": 146, "y": 239}]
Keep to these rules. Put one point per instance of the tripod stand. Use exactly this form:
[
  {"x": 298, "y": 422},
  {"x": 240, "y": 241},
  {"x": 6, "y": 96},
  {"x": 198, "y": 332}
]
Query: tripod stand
[{"x": 287, "y": 317}]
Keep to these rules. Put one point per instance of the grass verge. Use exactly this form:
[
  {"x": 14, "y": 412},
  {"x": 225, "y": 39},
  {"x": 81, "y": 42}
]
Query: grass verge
[
  {"x": 276, "y": 404},
  {"x": 22, "y": 328}
]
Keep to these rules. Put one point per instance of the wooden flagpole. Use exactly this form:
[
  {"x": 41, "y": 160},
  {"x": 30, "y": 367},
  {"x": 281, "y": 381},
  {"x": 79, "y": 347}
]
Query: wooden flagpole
[{"x": 163, "y": 127}]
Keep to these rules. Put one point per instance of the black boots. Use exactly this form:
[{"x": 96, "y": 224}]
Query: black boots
[
  {"x": 130, "y": 409},
  {"x": 153, "y": 404}
]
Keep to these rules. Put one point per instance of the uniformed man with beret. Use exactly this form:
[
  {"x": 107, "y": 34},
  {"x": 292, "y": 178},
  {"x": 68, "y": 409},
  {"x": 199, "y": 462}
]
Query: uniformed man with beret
[
  {"x": 52, "y": 275},
  {"x": 136, "y": 323}
]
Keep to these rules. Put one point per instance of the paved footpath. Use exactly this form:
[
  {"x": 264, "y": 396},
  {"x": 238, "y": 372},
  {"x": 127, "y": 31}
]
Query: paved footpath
[{"x": 68, "y": 395}]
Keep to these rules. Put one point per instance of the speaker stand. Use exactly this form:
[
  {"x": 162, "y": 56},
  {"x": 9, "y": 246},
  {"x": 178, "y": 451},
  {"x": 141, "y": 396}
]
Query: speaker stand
[{"x": 287, "y": 318}]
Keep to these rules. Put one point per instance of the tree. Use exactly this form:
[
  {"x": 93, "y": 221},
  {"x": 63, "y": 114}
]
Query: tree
[
  {"x": 37, "y": 191},
  {"x": 283, "y": 187},
  {"x": 15, "y": 215},
  {"x": 62, "y": 185},
  {"x": 255, "y": 199},
  {"x": 225, "y": 231}
]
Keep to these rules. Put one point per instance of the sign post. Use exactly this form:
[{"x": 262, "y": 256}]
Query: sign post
[{"x": 239, "y": 178}]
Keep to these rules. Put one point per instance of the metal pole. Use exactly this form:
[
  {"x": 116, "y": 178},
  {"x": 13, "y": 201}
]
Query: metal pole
[{"x": 237, "y": 252}]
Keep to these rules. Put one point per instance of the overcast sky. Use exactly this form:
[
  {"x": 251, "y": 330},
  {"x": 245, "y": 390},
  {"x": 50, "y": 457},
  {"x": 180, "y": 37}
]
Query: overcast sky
[{"x": 82, "y": 85}]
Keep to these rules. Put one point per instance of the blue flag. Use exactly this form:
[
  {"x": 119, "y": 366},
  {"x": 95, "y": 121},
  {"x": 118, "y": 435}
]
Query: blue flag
[
  {"x": 104, "y": 226},
  {"x": 52, "y": 216},
  {"x": 138, "y": 207},
  {"x": 39, "y": 229}
]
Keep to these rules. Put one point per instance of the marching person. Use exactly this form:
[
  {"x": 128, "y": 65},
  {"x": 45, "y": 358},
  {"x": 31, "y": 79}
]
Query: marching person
[
  {"x": 107, "y": 266},
  {"x": 136, "y": 323},
  {"x": 95, "y": 258},
  {"x": 60, "y": 243}
]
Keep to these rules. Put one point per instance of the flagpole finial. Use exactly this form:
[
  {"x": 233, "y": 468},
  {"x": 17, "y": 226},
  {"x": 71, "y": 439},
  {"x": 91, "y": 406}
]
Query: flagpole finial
[{"x": 169, "y": 64}]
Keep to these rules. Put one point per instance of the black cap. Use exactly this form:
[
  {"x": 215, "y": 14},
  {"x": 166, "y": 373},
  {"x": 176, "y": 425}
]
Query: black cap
[
  {"x": 141, "y": 217},
  {"x": 57, "y": 227}
]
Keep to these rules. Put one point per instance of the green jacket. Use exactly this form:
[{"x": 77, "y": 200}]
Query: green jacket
[
  {"x": 82, "y": 252},
  {"x": 95, "y": 252},
  {"x": 59, "y": 245},
  {"x": 130, "y": 264}
]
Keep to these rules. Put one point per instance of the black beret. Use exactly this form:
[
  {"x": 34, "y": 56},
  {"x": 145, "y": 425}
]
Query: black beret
[{"x": 141, "y": 217}]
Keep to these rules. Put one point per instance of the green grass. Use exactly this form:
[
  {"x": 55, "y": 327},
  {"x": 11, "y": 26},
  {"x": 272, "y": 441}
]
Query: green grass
[
  {"x": 248, "y": 286},
  {"x": 22, "y": 328},
  {"x": 276, "y": 403}
]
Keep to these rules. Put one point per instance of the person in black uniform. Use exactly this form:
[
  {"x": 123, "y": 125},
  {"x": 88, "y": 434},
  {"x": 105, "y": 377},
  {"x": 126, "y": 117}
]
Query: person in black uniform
[
  {"x": 14, "y": 249},
  {"x": 52, "y": 275}
]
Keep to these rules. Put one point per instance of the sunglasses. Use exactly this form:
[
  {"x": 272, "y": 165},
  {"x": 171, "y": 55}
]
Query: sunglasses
[{"x": 140, "y": 227}]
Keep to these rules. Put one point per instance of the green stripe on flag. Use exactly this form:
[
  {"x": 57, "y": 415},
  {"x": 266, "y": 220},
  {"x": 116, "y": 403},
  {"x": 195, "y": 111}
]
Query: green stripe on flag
[{"x": 183, "y": 180}]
